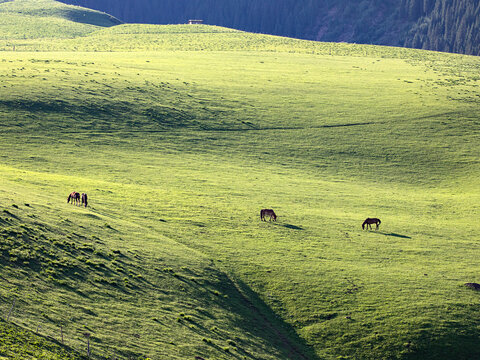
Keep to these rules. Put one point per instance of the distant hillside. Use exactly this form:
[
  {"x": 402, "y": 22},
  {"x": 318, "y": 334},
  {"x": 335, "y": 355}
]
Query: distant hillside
[
  {"x": 32, "y": 19},
  {"x": 442, "y": 25}
]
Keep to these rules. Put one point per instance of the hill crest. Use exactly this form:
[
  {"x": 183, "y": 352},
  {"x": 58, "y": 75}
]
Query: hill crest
[
  {"x": 425, "y": 24},
  {"x": 57, "y": 10}
]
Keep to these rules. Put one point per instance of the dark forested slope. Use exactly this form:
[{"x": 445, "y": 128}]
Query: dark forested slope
[{"x": 443, "y": 25}]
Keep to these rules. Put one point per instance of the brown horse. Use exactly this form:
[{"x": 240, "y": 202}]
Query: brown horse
[
  {"x": 84, "y": 199},
  {"x": 268, "y": 212},
  {"x": 369, "y": 221},
  {"x": 75, "y": 197}
]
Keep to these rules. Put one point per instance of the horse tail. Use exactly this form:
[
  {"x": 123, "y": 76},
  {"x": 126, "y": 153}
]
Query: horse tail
[
  {"x": 261, "y": 214},
  {"x": 379, "y": 221}
]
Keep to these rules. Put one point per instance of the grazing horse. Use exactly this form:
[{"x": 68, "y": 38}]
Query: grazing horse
[
  {"x": 370, "y": 221},
  {"x": 268, "y": 212},
  {"x": 75, "y": 197},
  {"x": 84, "y": 199}
]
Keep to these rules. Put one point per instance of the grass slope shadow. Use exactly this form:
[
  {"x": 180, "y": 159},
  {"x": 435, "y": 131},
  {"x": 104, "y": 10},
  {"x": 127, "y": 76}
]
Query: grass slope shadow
[{"x": 268, "y": 324}]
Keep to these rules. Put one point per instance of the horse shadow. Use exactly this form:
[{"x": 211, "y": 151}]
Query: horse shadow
[
  {"x": 293, "y": 227},
  {"x": 289, "y": 226},
  {"x": 393, "y": 234}
]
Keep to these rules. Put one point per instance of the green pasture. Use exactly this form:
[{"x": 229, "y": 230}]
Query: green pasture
[{"x": 180, "y": 139}]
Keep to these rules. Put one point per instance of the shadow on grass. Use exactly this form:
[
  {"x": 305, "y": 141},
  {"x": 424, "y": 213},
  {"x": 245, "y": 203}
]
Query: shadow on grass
[
  {"x": 394, "y": 235},
  {"x": 288, "y": 226},
  {"x": 458, "y": 340},
  {"x": 257, "y": 318},
  {"x": 293, "y": 227}
]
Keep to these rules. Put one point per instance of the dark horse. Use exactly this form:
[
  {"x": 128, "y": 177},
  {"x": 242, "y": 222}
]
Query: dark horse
[
  {"x": 370, "y": 221},
  {"x": 84, "y": 199},
  {"x": 75, "y": 197},
  {"x": 268, "y": 212}
]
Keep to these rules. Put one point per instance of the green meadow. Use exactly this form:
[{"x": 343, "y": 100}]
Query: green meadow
[{"x": 180, "y": 135}]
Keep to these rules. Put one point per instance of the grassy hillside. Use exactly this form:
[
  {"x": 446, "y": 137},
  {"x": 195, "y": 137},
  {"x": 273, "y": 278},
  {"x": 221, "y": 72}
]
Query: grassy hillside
[
  {"x": 442, "y": 25},
  {"x": 180, "y": 135},
  {"x": 46, "y": 19},
  {"x": 17, "y": 343},
  {"x": 134, "y": 291}
]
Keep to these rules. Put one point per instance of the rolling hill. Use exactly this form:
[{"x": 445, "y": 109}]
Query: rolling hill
[
  {"x": 441, "y": 25},
  {"x": 180, "y": 135},
  {"x": 48, "y": 19}
]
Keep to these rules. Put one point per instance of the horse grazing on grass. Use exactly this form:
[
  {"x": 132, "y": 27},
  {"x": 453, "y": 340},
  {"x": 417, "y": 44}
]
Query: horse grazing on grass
[
  {"x": 268, "y": 212},
  {"x": 369, "y": 221},
  {"x": 84, "y": 199},
  {"x": 75, "y": 197}
]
